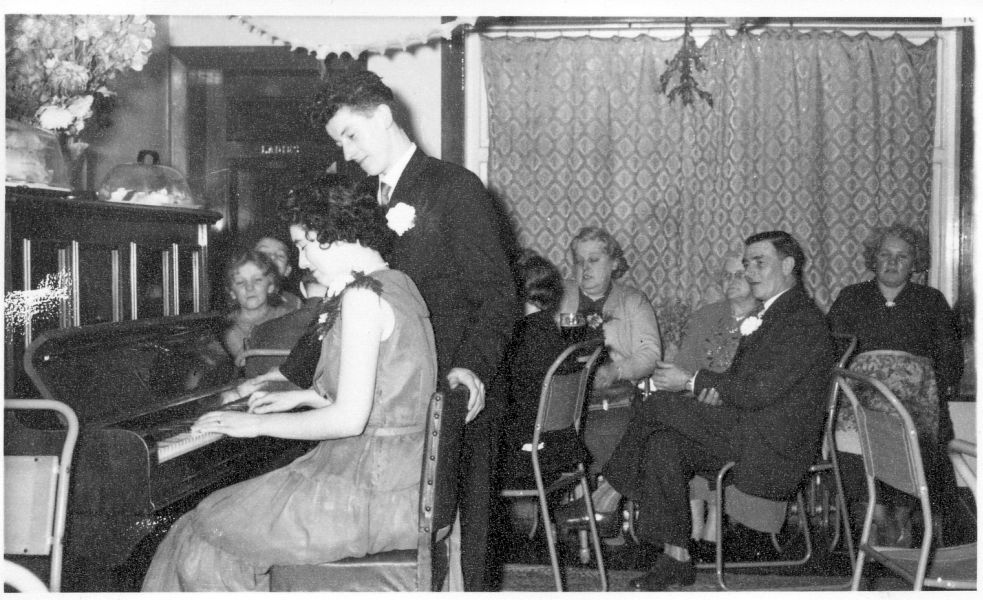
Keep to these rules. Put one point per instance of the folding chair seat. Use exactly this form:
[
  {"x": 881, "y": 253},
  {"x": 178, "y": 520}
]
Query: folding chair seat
[
  {"x": 435, "y": 562},
  {"x": 891, "y": 454},
  {"x": 37, "y": 464},
  {"x": 561, "y": 403}
]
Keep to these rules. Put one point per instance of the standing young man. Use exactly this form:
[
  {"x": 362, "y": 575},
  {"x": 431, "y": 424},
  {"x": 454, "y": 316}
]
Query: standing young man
[{"x": 450, "y": 245}]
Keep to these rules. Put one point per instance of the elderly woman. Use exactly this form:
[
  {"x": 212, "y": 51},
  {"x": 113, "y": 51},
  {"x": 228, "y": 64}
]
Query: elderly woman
[
  {"x": 890, "y": 312},
  {"x": 618, "y": 312},
  {"x": 625, "y": 319}
]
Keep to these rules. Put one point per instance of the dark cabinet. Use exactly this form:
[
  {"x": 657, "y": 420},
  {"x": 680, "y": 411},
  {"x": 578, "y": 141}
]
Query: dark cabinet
[{"x": 116, "y": 262}]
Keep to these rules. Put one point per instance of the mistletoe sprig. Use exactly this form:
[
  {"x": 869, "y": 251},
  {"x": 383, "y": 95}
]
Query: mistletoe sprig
[
  {"x": 684, "y": 64},
  {"x": 331, "y": 306}
]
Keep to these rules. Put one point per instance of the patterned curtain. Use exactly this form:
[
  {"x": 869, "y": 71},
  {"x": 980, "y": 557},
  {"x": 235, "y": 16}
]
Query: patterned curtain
[{"x": 820, "y": 134}]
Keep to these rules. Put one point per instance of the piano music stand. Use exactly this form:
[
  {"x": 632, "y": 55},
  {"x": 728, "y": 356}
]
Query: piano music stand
[{"x": 35, "y": 493}]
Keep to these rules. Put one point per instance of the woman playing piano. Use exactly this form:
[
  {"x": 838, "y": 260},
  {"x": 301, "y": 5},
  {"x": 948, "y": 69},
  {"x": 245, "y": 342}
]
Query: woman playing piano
[{"x": 356, "y": 492}]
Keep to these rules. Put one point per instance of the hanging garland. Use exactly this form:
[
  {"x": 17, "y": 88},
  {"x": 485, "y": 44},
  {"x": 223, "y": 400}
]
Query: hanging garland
[{"x": 413, "y": 36}]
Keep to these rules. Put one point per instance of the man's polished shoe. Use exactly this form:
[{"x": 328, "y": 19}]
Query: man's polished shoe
[
  {"x": 665, "y": 572},
  {"x": 573, "y": 515},
  {"x": 702, "y": 551}
]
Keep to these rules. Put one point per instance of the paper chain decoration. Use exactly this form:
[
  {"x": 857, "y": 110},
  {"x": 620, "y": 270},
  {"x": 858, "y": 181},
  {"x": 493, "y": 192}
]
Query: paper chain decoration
[{"x": 417, "y": 31}]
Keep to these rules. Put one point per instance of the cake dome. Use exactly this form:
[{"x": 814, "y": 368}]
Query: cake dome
[{"x": 146, "y": 181}]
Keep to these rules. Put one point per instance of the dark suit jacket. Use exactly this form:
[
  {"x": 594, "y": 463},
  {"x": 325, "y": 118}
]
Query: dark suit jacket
[
  {"x": 777, "y": 385},
  {"x": 455, "y": 255}
]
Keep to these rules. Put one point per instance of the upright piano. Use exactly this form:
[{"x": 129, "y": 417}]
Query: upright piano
[{"x": 136, "y": 387}]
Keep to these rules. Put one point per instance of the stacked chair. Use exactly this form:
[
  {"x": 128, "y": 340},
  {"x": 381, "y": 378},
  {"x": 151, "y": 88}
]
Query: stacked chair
[
  {"x": 36, "y": 466},
  {"x": 891, "y": 454}
]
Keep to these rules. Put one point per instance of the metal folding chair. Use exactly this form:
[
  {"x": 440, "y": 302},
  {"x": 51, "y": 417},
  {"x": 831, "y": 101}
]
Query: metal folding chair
[
  {"x": 821, "y": 510},
  {"x": 561, "y": 402},
  {"x": 35, "y": 486},
  {"x": 891, "y": 453}
]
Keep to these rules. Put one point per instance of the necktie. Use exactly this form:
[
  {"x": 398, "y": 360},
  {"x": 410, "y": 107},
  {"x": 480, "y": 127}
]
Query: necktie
[{"x": 384, "y": 189}]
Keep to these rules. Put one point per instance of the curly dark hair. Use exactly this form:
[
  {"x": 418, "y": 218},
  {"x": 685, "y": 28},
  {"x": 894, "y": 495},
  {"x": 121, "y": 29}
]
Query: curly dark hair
[
  {"x": 335, "y": 209},
  {"x": 542, "y": 283},
  {"x": 909, "y": 235},
  {"x": 611, "y": 246},
  {"x": 359, "y": 90},
  {"x": 265, "y": 265}
]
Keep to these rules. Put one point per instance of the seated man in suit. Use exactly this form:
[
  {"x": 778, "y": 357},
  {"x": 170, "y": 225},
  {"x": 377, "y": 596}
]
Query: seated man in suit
[{"x": 765, "y": 412}]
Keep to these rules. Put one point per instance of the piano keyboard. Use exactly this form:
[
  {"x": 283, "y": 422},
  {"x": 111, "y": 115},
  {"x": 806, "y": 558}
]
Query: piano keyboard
[{"x": 185, "y": 441}]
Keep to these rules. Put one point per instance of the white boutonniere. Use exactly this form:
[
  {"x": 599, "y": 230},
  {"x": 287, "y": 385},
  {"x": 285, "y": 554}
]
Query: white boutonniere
[
  {"x": 401, "y": 218},
  {"x": 750, "y": 325}
]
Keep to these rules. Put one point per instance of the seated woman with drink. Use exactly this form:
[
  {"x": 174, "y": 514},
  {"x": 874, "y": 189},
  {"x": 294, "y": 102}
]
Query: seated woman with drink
[
  {"x": 624, "y": 318},
  {"x": 357, "y": 491},
  {"x": 922, "y": 366}
]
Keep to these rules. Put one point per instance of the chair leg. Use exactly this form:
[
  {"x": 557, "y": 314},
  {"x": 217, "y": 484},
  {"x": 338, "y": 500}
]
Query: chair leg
[
  {"x": 594, "y": 535},
  {"x": 535, "y": 524},
  {"x": 551, "y": 541}
]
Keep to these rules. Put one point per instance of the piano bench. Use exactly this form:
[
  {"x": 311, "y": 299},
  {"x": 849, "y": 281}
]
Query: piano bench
[{"x": 393, "y": 571}]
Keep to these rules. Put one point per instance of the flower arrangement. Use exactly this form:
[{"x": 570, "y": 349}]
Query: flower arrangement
[{"x": 59, "y": 66}]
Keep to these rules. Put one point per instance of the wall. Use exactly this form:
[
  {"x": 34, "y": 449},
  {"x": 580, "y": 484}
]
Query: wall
[
  {"x": 414, "y": 74},
  {"x": 139, "y": 120}
]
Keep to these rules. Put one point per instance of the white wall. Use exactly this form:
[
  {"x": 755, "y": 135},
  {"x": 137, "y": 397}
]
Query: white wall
[{"x": 415, "y": 79}]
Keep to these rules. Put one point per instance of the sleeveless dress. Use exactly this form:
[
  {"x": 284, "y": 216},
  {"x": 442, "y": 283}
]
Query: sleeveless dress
[{"x": 345, "y": 498}]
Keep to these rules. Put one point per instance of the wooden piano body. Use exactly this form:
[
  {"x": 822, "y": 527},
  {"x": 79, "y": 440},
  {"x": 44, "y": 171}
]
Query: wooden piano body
[{"x": 136, "y": 386}]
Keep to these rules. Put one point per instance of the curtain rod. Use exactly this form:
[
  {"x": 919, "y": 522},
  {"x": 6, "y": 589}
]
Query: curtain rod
[{"x": 506, "y": 25}]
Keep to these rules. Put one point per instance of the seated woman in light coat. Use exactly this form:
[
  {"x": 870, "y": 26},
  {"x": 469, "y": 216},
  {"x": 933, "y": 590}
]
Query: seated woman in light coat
[{"x": 623, "y": 316}]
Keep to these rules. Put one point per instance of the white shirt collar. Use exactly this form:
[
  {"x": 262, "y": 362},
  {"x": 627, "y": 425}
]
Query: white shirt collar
[
  {"x": 771, "y": 301},
  {"x": 392, "y": 175}
]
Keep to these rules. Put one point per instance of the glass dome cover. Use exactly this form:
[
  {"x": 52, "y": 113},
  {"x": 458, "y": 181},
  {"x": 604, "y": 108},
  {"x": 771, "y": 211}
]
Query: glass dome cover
[
  {"x": 34, "y": 157},
  {"x": 146, "y": 182}
]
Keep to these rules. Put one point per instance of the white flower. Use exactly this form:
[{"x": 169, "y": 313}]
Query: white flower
[
  {"x": 55, "y": 117},
  {"x": 401, "y": 218},
  {"x": 338, "y": 284},
  {"x": 750, "y": 325},
  {"x": 81, "y": 107}
]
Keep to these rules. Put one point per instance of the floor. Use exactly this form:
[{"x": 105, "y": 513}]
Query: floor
[{"x": 524, "y": 566}]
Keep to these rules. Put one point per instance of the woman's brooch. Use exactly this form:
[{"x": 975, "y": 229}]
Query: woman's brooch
[{"x": 331, "y": 305}]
